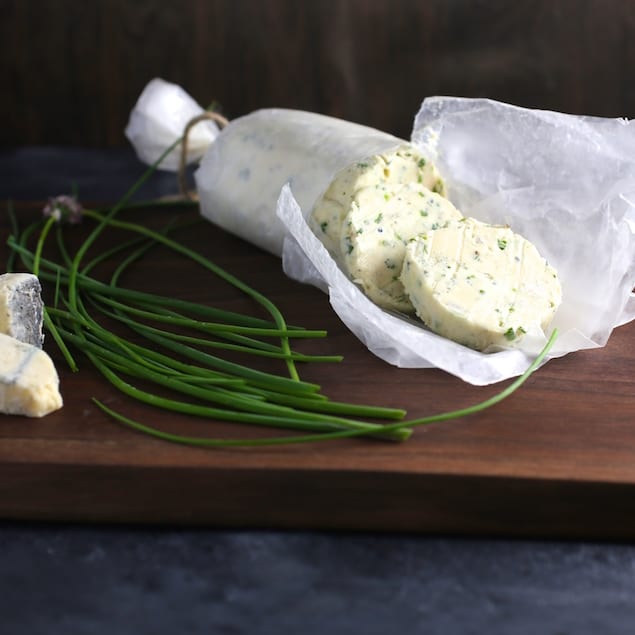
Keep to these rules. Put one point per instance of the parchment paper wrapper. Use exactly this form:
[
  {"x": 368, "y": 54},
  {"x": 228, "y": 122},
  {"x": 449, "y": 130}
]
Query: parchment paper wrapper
[
  {"x": 158, "y": 120},
  {"x": 242, "y": 173},
  {"x": 566, "y": 183}
]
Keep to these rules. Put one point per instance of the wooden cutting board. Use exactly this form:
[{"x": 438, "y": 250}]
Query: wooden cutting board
[{"x": 556, "y": 459}]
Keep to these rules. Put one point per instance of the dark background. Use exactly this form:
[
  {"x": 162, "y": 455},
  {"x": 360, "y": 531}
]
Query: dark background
[{"x": 72, "y": 71}]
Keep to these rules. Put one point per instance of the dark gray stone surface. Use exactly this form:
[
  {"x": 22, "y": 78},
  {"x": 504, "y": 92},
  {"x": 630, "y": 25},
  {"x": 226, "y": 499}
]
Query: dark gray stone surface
[{"x": 94, "y": 580}]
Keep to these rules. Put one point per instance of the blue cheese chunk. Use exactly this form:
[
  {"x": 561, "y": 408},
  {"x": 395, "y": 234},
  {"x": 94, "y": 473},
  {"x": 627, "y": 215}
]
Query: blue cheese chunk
[
  {"x": 382, "y": 220},
  {"x": 21, "y": 307},
  {"x": 481, "y": 285},
  {"x": 403, "y": 164},
  {"x": 29, "y": 384}
]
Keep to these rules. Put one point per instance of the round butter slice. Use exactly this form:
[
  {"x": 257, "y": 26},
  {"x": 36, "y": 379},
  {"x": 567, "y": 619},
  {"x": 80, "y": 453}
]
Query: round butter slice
[
  {"x": 382, "y": 220},
  {"x": 404, "y": 164},
  {"x": 480, "y": 285}
]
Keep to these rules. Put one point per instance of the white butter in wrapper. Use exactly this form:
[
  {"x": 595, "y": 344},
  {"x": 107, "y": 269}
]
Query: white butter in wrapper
[
  {"x": 242, "y": 173},
  {"x": 566, "y": 183}
]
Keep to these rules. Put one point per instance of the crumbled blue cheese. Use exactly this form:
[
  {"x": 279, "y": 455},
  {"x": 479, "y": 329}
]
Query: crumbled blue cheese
[
  {"x": 403, "y": 164},
  {"x": 29, "y": 384},
  {"x": 480, "y": 285},
  {"x": 21, "y": 307},
  {"x": 382, "y": 220}
]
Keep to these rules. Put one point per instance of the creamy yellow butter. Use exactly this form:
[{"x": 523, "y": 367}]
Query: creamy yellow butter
[
  {"x": 404, "y": 164},
  {"x": 480, "y": 285},
  {"x": 382, "y": 220}
]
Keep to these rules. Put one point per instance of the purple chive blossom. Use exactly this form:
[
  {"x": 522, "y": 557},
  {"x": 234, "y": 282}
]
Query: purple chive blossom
[{"x": 64, "y": 208}]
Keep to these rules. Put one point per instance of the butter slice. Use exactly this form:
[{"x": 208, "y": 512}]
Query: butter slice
[
  {"x": 382, "y": 220},
  {"x": 29, "y": 384},
  {"x": 21, "y": 307},
  {"x": 480, "y": 285},
  {"x": 404, "y": 164}
]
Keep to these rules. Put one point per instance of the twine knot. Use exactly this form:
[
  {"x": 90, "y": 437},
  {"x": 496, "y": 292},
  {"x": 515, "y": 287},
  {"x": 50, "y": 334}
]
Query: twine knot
[{"x": 204, "y": 116}]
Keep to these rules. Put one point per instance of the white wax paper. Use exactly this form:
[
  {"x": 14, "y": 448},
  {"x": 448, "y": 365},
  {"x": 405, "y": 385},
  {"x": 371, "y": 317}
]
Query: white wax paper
[
  {"x": 566, "y": 183},
  {"x": 159, "y": 119}
]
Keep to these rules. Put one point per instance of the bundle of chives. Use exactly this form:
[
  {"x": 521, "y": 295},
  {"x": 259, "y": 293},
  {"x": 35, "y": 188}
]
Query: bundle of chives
[
  {"x": 206, "y": 442},
  {"x": 236, "y": 392}
]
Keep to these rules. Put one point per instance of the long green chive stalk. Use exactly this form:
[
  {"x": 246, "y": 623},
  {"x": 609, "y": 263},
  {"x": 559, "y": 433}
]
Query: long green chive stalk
[
  {"x": 206, "y": 442},
  {"x": 237, "y": 342},
  {"x": 212, "y": 267},
  {"x": 175, "y": 334},
  {"x": 102, "y": 346},
  {"x": 109, "y": 220}
]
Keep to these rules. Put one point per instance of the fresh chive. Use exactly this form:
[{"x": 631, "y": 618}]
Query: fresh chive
[
  {"x": 196, "y": 257},
  {"x": 327, "y": 436},
  {"x": 247, "y": 345},
  {"x": 293, "y": 420}
]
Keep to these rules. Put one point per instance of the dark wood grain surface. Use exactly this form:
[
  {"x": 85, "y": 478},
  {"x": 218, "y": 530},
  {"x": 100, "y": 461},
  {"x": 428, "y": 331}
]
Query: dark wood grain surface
[
  {"x": 72, "y": 71},
  {"x": 555, "y": 459}
]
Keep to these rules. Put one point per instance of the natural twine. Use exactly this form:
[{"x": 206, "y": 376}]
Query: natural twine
[{"x": 207, "y": 115}]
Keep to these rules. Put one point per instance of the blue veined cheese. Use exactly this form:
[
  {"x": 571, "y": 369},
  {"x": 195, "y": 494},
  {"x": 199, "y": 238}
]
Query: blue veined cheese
[
  {"x": 382, "y": 220},
  {"x": 480, "y": 285},
  {"x": 21, "y": 307},
  {"x": 400, "y": 165},
  {"x": 29, "y": 384}
]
